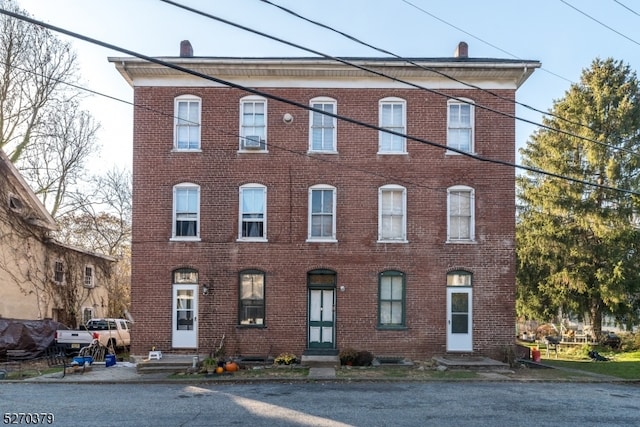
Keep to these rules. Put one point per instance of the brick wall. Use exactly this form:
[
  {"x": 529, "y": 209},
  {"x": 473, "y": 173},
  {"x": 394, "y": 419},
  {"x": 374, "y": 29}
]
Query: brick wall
[{"x": 357, "y": 172}]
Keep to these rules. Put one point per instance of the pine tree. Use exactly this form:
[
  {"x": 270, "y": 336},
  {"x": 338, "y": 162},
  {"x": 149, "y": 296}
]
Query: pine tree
[{"x": 577, "y": 243}]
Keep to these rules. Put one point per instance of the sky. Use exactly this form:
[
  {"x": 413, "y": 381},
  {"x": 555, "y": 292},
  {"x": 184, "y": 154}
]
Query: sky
[{"x": 555, "y": 32}]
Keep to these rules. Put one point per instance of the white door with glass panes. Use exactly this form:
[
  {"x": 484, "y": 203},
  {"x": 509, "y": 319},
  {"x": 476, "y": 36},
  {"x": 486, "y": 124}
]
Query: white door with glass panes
[
  {"x": 459, "y": 319},
  {"x": 321, "y": 318},
  {"x": 185, "y": 316}
]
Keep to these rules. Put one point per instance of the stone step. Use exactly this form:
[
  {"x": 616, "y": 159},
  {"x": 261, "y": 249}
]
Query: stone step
[{"x": 330, "y": 361}]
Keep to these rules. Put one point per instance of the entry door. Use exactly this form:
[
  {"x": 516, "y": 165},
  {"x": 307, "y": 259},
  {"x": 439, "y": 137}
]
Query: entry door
[
  {"x": 459, "y": 319},
  {"x": 185, "y": 316},
  {"x": 321, "y": 318}
]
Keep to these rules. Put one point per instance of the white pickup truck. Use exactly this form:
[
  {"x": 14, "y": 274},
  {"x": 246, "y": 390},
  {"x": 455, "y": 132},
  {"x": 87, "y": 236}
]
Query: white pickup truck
[{"x": 112, "y": 333}]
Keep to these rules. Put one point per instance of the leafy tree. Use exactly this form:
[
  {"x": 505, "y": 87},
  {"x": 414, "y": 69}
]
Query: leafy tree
[{"x": 577, "y": 244}]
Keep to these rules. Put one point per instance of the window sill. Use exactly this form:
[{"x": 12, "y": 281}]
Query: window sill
[
  {"x": 321, "y": 152},
  {"x": 312, "y": 240},
  {"x": 455, "y": 153},
  {"x": 184, "y": 239},
  {"x": 462, "y": 242},
  {"x": 251, "y": 326},
  {"x": 391, "y": 328},
  {"x": 392, "y": 153},
  {"x": 253, "y": 151},
  {"x": 186, "y": 150},
  {"x": 393, "y": 241},
  {"x": 254, "y": 240}
]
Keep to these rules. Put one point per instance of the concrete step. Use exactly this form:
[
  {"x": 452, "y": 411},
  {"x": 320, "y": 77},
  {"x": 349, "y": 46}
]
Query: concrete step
[{"x": 316, "y": 361}]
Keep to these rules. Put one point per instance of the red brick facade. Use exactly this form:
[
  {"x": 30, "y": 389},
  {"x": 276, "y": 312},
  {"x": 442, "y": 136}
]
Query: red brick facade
[{"x": 357, "y": 171}]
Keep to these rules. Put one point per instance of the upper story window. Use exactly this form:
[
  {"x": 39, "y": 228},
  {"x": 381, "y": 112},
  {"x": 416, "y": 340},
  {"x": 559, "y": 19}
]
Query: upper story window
[
  {"x": 393, "y": 116},
  {"x": 322, "y": 132},
  {"x": 253, "y": 212},
  {"x": 391, "y": 300},
  {"x": 89, "y": 279},
  {"x": 253, "y": 123},
  {"x": 460, "y": 124},
  {"x": 186, "y": 212},
  {"x": 58, "y": 272},
  {"x": 322, "y": 213},
  {"x": 251, "y": 310},
  {"x": 460, "y": 215},
  {"x": 392, "y": 218},
  {"x": 187, "y": 123}
]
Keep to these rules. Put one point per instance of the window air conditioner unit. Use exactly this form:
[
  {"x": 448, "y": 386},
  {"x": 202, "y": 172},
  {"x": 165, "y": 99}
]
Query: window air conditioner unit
[{"x": 252, "y": 142}]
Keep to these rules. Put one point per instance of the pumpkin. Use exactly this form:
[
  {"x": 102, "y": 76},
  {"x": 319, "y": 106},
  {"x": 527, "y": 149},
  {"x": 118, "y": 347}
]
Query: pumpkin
[
  {"x": 231, "y": 367},
  {"x": 219, "y": 370}
]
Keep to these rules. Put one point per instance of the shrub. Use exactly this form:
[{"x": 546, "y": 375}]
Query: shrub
[
  {"x": 348, "y": 356},
  {"x": 286, "y": 359},
  {"x": 363, "y": 358}
]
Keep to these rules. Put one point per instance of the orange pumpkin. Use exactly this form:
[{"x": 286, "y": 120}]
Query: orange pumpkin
[
  {"x": 231, "y": 367},
  {"x": 219, "y": 370}
]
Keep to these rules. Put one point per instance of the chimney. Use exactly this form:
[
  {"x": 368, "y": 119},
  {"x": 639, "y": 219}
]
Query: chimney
[
  {"x": 186, "y": 51},
  {"x": 462, "y": 51}
]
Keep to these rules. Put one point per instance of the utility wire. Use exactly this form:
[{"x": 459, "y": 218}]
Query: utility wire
[
  {"x": 381, "y": 74},
  {"x": 477, "y": 38},
  {"x": 600, "y": 22},
  {"x": 306, "y": 107},
  {"x": 433, "y": 70},
  {"x": 627, "y": 7}
]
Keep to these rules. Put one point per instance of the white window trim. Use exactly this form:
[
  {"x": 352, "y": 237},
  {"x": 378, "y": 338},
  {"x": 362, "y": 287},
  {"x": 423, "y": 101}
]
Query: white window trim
[
  {"x": 196, "y": 238},
  {"x": 252, "y": 186},
  {"x": 472, "y": 121},
  {"x": 310, "y": 238},
  {"x": 247, "y": 99},
  {"x": 392, "y": 100},
  {"x": 324, "y": 100},
  {"x": 381, "y": 190},
  {"x": 93, "y": 277},
  {"x": 187, "y": 98},
  {"x": 472, "y": 225}
]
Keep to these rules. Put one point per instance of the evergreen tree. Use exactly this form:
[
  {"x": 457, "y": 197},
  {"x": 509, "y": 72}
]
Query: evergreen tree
[{"x": 577, "y": 244}]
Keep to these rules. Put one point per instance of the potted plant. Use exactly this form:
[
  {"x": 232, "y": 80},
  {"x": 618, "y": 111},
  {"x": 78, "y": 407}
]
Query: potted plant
[
  {"x": 210, "y": 364},
  {"x": 286, "y": 359}
]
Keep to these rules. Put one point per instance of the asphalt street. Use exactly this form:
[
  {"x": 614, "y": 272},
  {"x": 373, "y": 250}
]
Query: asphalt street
[{"x": 466, "y": 403}]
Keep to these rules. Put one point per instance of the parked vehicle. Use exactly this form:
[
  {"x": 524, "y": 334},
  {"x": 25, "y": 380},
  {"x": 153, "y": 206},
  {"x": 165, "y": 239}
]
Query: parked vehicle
[{"x": 112, "y": 333}]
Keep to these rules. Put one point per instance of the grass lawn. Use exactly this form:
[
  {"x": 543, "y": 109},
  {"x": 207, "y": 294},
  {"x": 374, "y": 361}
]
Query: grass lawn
[{"x": 620, "y": 365}]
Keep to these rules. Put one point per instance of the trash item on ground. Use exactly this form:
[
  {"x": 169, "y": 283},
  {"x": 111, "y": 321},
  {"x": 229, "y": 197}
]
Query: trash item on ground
[{"x": 597, "y": 357}]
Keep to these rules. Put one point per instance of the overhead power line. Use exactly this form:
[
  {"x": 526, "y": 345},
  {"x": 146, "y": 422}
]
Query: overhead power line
[
  {"x": 600, "y": 22},
  {"x": 381, "y": 74},
  {"x": 421, "y": 66},
  {"x": 627, "y": 7},
  {"x": 303, "y": 106}
]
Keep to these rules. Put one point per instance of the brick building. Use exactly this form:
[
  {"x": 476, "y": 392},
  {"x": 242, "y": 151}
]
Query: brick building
[{"x": 287, "y": 229}]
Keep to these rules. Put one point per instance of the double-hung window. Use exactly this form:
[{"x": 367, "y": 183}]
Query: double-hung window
[
  {"x": 58, "y": 272},
  {"x": 392, "y": 116},
  {"x": 322, "y": 133},
  {"x": 186, "y": 212},
  {"x": 253, "y": 212},
  {"x": 251, "y": 305},
  {"x": 391, "y": 299},
  {"x": 322, "y": 213},
  {"x": 460, "y": 126},
  {"x": 460, "y": 215},
  {"x": 187, "y": 123},
  {"x": 89, "y": 280},
  {"x": 392, "y": 218},
  {"x": 253, "y": 124}
]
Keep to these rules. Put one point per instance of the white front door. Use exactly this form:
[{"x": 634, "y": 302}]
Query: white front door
[
  {"x": 185, "y": 316},
  {"x": 321, "y": 319},
  {"x": 459, "y": 319}
]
